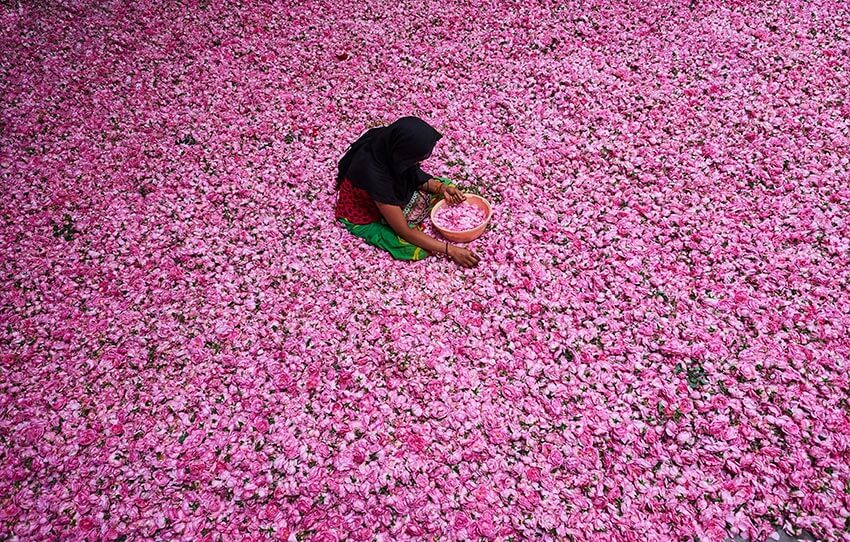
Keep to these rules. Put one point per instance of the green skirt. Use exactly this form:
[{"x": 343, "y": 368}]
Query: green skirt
[{"x": 381, "y": 235}]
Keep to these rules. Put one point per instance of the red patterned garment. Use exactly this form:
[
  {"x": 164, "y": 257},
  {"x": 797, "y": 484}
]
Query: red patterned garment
[{"x": 355, "y": 205}]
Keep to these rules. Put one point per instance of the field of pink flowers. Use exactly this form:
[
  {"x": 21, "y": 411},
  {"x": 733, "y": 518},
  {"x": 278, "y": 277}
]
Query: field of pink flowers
[{"x": 654, "y": 347}]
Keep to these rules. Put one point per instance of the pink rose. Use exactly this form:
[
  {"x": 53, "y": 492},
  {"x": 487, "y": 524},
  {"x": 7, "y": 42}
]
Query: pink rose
[
  {"x": 283, "y": 382},
  {"x": 438, "y": 410},
  {"x": 9, "y": 512},
  {"x": 512, "y": 392},
  {"x": 485, "y": 527},
  {"x": 556, "y": 457},
  {"x": 196, "y": 468},
  {"x": 747, "y": 370},
  {"x": 312, "y": 382},
  {"x": 86, "y": 437},
  {"x": 325, "y": 536},
  {"x": 261, "y": 425},
  {"x": 291, "y": 448},
  {"x": 86, "y": 523},
  {"x": 413, "y": 529},
  {"x": 362, "y": 535},
  {"x": 651, "y": 437},
  {"x": 415, "y": 443},
  {"x": 33, "y": 433},
  {"x": 270, "y": 511}
]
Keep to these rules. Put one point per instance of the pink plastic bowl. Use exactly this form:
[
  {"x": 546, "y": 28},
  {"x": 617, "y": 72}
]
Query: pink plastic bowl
[{"x": 465, "y": 236}]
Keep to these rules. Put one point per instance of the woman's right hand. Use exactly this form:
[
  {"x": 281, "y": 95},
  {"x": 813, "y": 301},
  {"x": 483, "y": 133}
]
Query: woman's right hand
[{"x": 462, "y": 257}]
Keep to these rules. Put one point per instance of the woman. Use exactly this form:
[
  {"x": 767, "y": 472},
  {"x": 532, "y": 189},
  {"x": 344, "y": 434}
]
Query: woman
[{"x": 383, "y": 193}]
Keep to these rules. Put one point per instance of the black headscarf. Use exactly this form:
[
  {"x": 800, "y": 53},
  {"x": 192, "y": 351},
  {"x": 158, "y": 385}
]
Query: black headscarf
[{"x": 383, "y": 161}]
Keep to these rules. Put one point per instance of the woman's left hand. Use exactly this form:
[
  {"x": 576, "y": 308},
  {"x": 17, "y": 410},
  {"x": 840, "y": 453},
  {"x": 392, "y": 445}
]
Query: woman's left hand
[{"x": 452, "y": 194}]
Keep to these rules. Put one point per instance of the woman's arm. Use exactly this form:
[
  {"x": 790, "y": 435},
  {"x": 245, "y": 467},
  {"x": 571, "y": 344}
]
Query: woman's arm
[
  {"x": 432, "y": 186},
  {"x": 450, "y": 193},
  {"x": 397, "y": 221}
]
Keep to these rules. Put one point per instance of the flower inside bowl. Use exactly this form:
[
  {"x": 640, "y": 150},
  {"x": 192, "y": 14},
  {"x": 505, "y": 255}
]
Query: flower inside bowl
[{"x": 463, "y": 222}]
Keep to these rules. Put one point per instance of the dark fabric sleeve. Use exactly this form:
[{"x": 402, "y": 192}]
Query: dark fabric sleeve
[
  {"x": 351, "y": 152},
  {"x": 383, "y": 192},
  {"x": 421, "y": 176},
  {"x": 366, "y": 173},
  {"x": 383, "y": 188}
]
